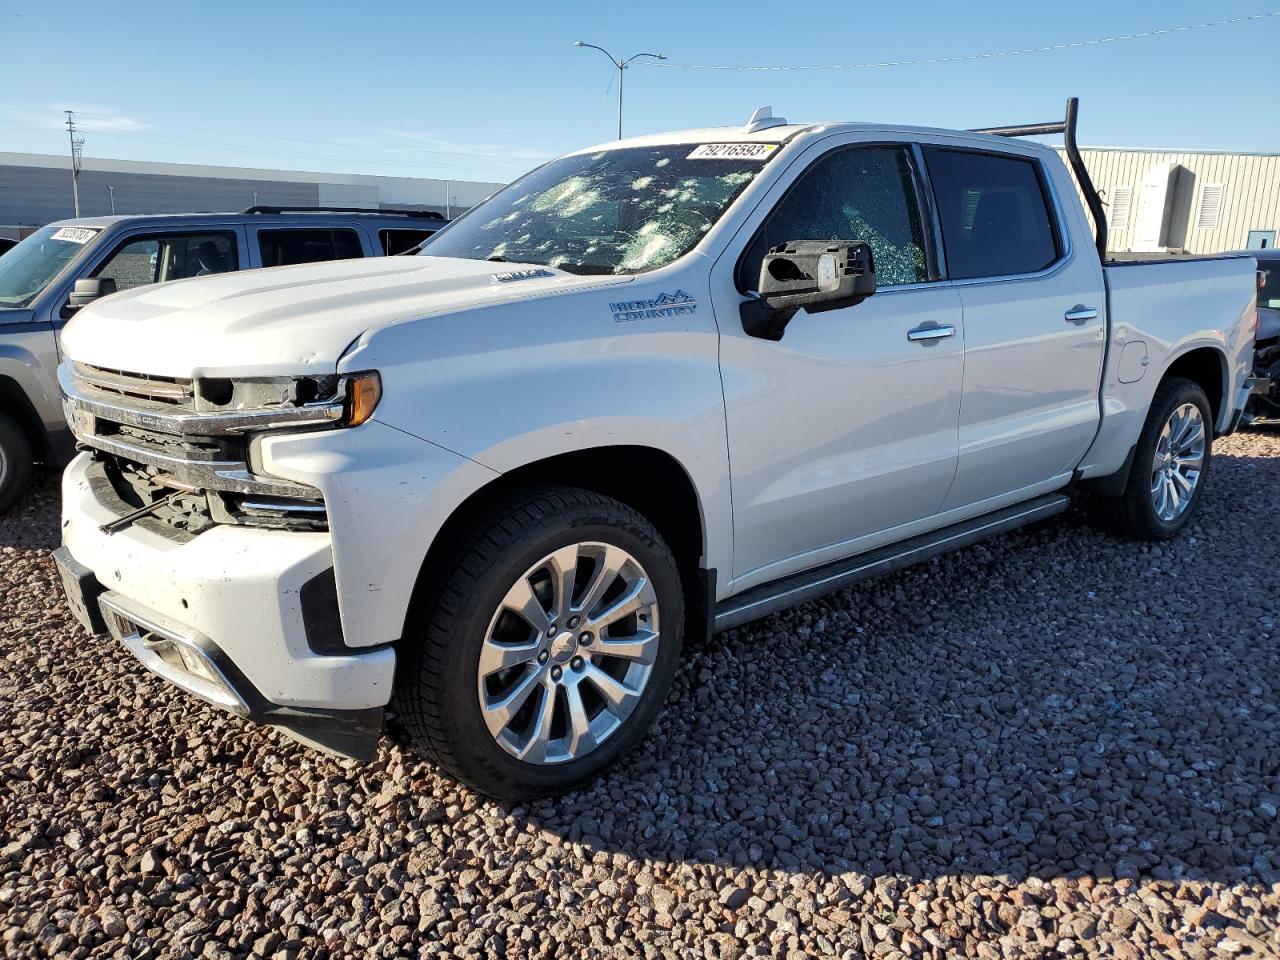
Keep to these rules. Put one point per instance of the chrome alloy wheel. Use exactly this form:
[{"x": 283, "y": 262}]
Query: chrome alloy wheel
[
  {"x": 1178, "y": 463},
  {"x": 568, "y": 653}
]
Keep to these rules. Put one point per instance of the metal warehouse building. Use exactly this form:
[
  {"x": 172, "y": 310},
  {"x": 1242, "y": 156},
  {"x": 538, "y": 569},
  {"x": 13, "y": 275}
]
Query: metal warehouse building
[
  {"x": 35, "y": 189},
  {"x": 1187, "y": 200}
]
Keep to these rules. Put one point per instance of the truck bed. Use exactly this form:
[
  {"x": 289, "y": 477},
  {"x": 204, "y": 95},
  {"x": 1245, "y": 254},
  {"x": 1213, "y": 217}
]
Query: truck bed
[{"x": 1195, "y": 302}]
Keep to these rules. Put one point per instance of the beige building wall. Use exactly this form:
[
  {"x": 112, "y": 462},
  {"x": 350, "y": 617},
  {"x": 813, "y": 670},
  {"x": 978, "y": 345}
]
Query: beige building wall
[{"x": 1217, "y": 199}]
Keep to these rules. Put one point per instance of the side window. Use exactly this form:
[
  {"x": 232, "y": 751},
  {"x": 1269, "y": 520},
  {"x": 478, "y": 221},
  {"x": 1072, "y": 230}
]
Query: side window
[
  {"x": 995, "y": 216},
  {"x": 398, "y": 241},
  {"x": 135, "y": 264},
  {"x": 162, "y": 257},
  {"x": 860, "y": 193},
  {"x": 284, "y": 247},
  {"x": 199, "y": 255}
]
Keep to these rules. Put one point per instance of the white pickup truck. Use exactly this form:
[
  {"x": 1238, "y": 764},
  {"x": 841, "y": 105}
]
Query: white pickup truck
[{"x": 671, "y": 383}]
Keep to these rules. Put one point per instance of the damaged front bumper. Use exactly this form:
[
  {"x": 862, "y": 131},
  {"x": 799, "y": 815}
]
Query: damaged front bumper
[{"x": 239, "y": 616}]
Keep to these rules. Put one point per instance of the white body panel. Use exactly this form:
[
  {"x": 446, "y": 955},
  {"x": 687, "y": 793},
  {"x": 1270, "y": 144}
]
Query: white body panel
[
  {"x": 236, "y": 585},
  {"x": 1172, "y": 308},
  {"x": 842, "y": 437}
]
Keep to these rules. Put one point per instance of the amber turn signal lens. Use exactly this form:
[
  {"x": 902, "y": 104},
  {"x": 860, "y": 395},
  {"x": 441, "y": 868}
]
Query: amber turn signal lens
[{"x": 364, "y": 390}]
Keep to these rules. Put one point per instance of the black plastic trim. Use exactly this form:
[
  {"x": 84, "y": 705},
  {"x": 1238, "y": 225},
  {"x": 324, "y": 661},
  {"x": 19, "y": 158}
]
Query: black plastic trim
[
  {"x": 321, "y": 619},
  {"x": 820, "y": 581},
  {"x": 1112, "y": 485},
  {"x": 82, "y": 591},
  {"x": 388, "y": 212}
]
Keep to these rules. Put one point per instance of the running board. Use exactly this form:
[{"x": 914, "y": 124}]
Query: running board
[{"x": 801, "y": 587}]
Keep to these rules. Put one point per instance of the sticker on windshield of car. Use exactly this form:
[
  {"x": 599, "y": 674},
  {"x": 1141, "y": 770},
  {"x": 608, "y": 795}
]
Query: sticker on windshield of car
[
  {"x": 733, "y": 151},
  {"x": 74, "y": 235}
]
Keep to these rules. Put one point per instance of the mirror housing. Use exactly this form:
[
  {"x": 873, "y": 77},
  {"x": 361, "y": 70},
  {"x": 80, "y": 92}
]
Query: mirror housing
[
  {"x": 87, "y": 290},
  {"x": 814, "y": 275}
]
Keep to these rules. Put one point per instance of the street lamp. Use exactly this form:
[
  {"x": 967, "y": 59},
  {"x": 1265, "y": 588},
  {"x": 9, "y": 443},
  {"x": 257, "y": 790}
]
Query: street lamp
[{"x": 622, "y": 66}]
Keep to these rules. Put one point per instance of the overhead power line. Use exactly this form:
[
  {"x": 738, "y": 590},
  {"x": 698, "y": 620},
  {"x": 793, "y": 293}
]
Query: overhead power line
[{"x": 996, "y": 55}]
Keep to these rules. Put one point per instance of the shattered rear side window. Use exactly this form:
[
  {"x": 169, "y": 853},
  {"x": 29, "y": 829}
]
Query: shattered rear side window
[{"x": 615, "y": 211}]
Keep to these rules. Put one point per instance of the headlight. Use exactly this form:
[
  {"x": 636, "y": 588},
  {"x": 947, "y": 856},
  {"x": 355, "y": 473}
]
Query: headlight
[{"x": 249, "y": 404}]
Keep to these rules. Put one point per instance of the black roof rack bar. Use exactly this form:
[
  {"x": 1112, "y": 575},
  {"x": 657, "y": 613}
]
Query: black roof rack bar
[
  {"x": 387, "y": 212},
  {"x": 1026, "y": 130},
  {"x": 1068, "y": 130}
]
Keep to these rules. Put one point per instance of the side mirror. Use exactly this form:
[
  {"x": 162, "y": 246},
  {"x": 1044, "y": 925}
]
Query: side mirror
[
  {"x": 814, "y": 275},
  {"x": 88, "y": 290}
]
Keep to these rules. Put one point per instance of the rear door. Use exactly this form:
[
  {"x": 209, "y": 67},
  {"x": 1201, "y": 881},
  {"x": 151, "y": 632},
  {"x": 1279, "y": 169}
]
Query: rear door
[{"x": 1034, "y": 324}]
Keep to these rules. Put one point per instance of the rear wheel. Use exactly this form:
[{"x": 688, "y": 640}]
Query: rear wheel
[
  {"x": 16, "y": 462},
  {"x": 1170, "y": 465},
  {"x": 548, "y": 649}
]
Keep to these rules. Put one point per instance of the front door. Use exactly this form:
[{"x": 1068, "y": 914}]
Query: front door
[{"x": 846, "y": 428}]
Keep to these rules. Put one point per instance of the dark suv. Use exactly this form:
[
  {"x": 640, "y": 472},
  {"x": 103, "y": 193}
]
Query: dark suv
[{"x": 63, "y": 266}]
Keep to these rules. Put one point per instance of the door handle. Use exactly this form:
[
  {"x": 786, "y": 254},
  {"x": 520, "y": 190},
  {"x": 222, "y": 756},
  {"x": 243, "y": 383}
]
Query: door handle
[
  {"x": 1080, "y": 314},
  {"x": 925, "y": 334}
]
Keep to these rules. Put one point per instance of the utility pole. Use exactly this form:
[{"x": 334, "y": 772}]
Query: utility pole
[
  {"x": 448, "y": 205},
  {"x": 622, "y": 69},
  {"x": 77, "y": 151},
  {"x": 111, "y": 191}
]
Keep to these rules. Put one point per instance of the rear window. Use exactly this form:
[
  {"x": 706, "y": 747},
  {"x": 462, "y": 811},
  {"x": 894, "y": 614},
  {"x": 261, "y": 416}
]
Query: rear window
[
  {"x": 281, "y": 248},
  {"x": 1269, "y": 295},
  {"x": 398, "y": 241},
  {"x": 995, "y": 215}
]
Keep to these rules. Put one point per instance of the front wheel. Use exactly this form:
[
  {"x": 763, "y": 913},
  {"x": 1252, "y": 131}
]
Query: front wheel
[
  {"x": 15, "y": 462},
  {"x": 1170, "y": 465},
  {"x": 549, "y": 647}
]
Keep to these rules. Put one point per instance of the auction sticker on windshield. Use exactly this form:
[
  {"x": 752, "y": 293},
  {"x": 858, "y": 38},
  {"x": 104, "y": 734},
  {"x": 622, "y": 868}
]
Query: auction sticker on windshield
[
  {"x": 74, "y": 234},
  {"x": 733, "y": 151}
]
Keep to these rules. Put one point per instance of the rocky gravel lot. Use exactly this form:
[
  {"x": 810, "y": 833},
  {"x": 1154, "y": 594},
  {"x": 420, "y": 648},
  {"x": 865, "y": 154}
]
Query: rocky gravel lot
[{"x": 1054, "y": 744}]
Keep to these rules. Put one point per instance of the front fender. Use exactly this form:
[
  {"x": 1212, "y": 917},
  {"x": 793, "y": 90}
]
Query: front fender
[{"x": 511, "y": 385}]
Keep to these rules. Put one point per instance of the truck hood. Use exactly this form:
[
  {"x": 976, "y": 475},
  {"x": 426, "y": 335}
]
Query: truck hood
[{"x": 292, "y": 320}]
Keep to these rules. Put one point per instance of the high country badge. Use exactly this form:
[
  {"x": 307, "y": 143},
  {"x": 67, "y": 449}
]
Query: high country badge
[{"x": 663, "y": 305}]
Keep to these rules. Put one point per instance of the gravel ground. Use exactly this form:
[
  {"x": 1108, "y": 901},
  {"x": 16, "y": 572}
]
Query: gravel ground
[{"x": 1053, "y": 744}]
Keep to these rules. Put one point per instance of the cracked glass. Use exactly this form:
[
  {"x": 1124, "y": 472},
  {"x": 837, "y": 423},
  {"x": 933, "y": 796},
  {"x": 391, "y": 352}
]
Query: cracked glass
[
  {"x": 622, "y": 211},
  {"x": 859, "y": 193}
]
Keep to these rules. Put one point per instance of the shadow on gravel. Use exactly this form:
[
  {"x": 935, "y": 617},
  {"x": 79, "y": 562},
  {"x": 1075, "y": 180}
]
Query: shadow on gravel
[
  {"x": 25, "y": 526},
  {"x": 1054, "y": 702}
]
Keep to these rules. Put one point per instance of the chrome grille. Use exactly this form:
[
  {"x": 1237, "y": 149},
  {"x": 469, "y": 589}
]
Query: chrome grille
[
  {"x": 151, "y": 423},
  {"x": 174, "y": 391}
]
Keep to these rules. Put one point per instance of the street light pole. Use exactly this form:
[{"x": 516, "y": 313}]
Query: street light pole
[{"x": 621, "y": 66}]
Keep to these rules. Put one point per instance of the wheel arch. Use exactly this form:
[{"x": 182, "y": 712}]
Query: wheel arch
[
  {"x": 649, "y": 480},
  {"x": 1207, "y": 367},
  {"x": 15, "y": 402}
]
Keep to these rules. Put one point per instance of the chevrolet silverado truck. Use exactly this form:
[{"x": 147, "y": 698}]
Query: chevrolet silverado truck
[
  {"x": 670, "y": 384},
  {"x": 62, "y": 267}
]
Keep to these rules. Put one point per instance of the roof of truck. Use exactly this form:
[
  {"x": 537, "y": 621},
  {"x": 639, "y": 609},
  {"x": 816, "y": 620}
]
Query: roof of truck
[{"x": 784, "y": 132}]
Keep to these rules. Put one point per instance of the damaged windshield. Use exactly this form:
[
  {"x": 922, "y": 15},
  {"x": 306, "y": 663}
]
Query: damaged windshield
[{"x": 616, "y": 211}]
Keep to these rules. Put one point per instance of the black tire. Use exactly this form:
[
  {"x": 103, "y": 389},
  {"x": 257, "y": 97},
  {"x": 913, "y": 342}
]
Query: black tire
[
  {"x": 1133, "y": 514},
  {"x": 16, "y": 462},
  {"x": 436, "y": 691}
]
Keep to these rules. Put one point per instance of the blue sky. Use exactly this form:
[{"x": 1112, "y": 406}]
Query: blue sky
[{"x": 486, "y": 90}]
